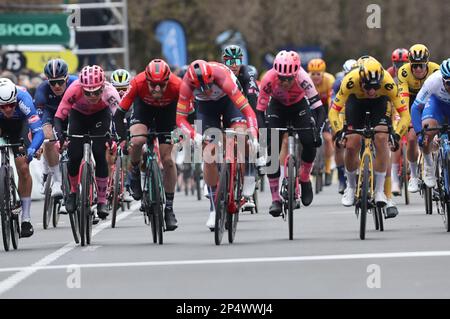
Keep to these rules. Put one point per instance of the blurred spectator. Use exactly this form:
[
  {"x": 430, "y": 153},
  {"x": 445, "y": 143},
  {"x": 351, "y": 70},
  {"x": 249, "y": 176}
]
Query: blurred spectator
[{"x": 9, "y": 75}]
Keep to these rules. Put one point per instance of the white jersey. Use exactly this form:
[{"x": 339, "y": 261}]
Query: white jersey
[{"x": 433, "y": 86}]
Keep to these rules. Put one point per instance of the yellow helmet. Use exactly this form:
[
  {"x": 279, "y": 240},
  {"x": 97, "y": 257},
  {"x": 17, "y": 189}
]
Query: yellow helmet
[
  {"x": 317, "y": 65},
  {"x": 418, "y": 53},
  {"x": 371, "y": 72}
]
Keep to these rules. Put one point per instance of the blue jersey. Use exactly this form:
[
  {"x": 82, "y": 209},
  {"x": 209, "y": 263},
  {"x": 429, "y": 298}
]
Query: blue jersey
[
  {"x": 45, "y": 98},
  {"x": 336, "y": 87},
  {"x": 25, "y": 110}
]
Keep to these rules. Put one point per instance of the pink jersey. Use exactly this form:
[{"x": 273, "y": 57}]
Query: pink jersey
[
  {"x": 74, "y": 98},
  {"x": 271, "y": 88}
]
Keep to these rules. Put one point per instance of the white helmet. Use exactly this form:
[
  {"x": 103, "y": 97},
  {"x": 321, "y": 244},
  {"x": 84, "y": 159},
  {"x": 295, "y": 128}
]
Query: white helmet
[
  {"x": 8, "y": 91},
  {"x": 120, "y": 78},
  {"x": 349, "y": 65}
]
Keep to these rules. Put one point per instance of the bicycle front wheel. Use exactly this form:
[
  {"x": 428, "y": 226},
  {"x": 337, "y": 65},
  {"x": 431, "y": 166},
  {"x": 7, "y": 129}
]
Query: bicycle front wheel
[
  {"x": 85, "y": 206},
  {"x": 405, "y": 174},
  {"x": 5, "y": 208},
  {"x": 48, "y": 205},
  {"x": 15, "y": 210},
  {"x": 365, "y": 185},
  {"x": 157, "y": 202},
  {"x": 221, "y": 203},
  {"x": 233, "y": 218},
  {"x": 291, "y": 196},
  {"x": 116, "y": 190}
]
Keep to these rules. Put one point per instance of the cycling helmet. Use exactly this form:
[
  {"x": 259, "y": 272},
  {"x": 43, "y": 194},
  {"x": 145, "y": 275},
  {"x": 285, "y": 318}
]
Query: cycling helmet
[
  {"x": 418, "y": 53},
  {"x": 92, "y": 77},
  {"x": 287, "y": 63},
  {"x": 445, "y": 69},
  {"x": 157, "y": 71},
  {"x": 371, "y": 72},
  {"x": 317, "y": 65},
  {"x": 8, "y": 91},
  {"x": 400, "y": 55},
  {"x": 200, "y": 74},
  {"x": 56, "y": 68},
  {"x": 232, "y": 52},
  {"x": 349, "y": 65},
  {"x": 120, "y": 78}
]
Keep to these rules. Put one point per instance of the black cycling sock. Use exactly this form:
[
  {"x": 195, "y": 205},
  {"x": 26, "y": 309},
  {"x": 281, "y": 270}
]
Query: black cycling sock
[{"x": 169, "y": 200}]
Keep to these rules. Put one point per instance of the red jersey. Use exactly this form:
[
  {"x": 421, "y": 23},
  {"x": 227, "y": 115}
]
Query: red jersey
[
  {"x": 224, "y": 84},
  {"x": 139, "y": 88}
]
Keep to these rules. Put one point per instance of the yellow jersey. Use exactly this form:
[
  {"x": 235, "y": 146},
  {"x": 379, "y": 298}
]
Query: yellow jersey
[
  {"x": 408, "y": 85},
  {"x": 351, "y": 85},
  {"x": 325, "y": 88}
]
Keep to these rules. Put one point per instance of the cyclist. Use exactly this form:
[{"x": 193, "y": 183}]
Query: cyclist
[
  {"x": 367, "y": 88},
  {"x": 154, "y": 93},
  {"x": 399, "y": 57},
  {"x": 411, "y": 77},
  {"x": 323, "y": 81},
  {"x": 217, "y": 94},
  {"x": 88, "y": 104},
  {"x": 288, "y": 93},
  {"x": 48, "y": 96},
  {"x": 431, "y": 107},
  {"x": 121, "y": 79},
  {"x": 17, "y": 117},
  {"x": 339, "y": 152},
  {"x": 232, "y": 57}
]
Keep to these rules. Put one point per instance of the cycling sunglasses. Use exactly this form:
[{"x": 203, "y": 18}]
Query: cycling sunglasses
[
  {"x": 446, "y": 82},
  {"x": 60, "y": 82},
  {"x": 93, "y": 93},
  {"x": 8, "y": 106},
  {"x": 418, "y": 65},
  {"x": 371, "y": 86},
  {"x": 285, "y": 78},
  {"x": 230, "y": 62}
]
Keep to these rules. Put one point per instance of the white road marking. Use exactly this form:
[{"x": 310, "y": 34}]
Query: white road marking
[
  {"x": 25, "y": 272},
  {"x": 413, "y": 254}
]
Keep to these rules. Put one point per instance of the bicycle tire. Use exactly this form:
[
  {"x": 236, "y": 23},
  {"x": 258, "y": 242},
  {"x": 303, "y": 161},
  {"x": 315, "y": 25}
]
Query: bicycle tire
[
  {"x": 74, "y": 216},
  {"x": 221, "y": 203},
  {"x": 84, "y": 200},
  {"x": 317, "y": 184},
  {"x": 405, "y": 174},
  {"x": 116, "y": 189},
  {"x": 232, "y": 219},
  {"x": 428, "y": 200},
  {"x": 5, "y": 208},
  {"x": 198, "y": 186},
  {"x": 379, "y": 212},
  {"x": 446, "y": 173},
  {"x": 15, "y": 204},
  {"x": 47, "y": 202},
  {"x": 291, "y": 196},
  {"x": 90, "y": 215},
  {"x": 375, "y": 218},
  {"x": 255, "y": 198},
  {"x": 158, "y": 203},
  {"x": 364, "y": 198},
  {"x": 55, "y": 213}
]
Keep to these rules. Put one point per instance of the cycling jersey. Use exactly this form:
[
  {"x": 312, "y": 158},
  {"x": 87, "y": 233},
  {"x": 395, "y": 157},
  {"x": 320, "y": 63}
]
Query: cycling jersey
[
  {"x": 74, "y": 99},
  {"x": 303, "y": 87},
  {"x": 351, "y": 85},
  {"x": 433, "y": 87},
  {"x": 25, "y": 110},
  {"x": 45, "y": 98},
  {"x": 250, "y": 89},
  {"x": 325, "y": 88},
  {"x": 139, "y": 88},
  {"x": 225, "y": 84},
  {"x": 408, "y": 85}
]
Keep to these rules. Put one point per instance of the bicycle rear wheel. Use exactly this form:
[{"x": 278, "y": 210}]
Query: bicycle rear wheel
[
  {"x": 405, "y": 174},
  {"x": 56, "y": 207},
  {"x": 117, "y": 180},
  {"x": 221, "y": 203},
  {"x": 428, "y": 200},
  {"x": 48, "y": 205},
  {"x": 157, "y": 202},
  {"x": 5, "y": 208},
  {"x": 197, "y": 175},
  {"x": 364, "y": 198},
  {"x": 291, "y": 196}
]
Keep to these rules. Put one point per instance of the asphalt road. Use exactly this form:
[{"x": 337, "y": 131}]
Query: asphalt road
[{"x": 326, "y": 259}]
